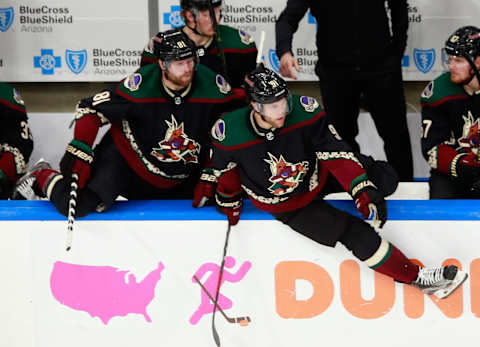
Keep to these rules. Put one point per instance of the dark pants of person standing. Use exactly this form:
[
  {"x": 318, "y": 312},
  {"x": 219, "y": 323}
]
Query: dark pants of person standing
[{"x": 342, "y": 87}]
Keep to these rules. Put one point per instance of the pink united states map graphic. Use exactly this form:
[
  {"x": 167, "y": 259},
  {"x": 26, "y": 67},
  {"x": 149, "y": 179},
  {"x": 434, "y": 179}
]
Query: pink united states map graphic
[{"x": 102, "y": 291}]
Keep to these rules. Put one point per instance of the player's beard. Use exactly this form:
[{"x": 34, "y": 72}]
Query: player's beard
[{"x": 181, "y": 81}]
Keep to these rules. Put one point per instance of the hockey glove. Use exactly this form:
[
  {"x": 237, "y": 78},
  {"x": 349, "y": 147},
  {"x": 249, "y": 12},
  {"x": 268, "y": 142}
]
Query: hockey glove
[
  {"x": 78, "y": 158},
  {"x": 466, "y": 168},
  {"x": 229, "y": 206},
  {"x": 370, "y": 203},
  {"x": 205, "y": 188}
]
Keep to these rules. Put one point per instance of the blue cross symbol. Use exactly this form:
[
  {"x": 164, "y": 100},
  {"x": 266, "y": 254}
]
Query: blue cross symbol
[
  {"x": 311, "y": 19},
  {"x": 47, "y": 61},
  {"x": 174, "y": 17}
]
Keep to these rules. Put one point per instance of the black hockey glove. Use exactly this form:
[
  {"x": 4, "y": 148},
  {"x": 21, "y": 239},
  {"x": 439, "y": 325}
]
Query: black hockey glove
[
  {"x": 370, "y": 203},
  {"x": 229, "y": 206},
  {"x": 466, "y": 169},
  {"x": 205, "y": 188},
  {"x": 78, "y": 158}
]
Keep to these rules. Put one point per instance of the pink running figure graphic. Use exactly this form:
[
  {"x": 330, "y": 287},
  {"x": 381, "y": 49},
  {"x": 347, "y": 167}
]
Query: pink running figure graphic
[{"x": 206, "y": 305}]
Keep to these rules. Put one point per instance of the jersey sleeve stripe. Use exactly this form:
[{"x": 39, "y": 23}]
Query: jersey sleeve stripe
[
  {"x": 15, "y": 107},
  {"x": 443, "y": 100},
  {"x": 301, "y": 124}
]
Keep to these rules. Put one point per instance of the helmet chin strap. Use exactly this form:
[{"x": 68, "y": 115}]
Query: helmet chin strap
[{"x": 473, "y": 71}]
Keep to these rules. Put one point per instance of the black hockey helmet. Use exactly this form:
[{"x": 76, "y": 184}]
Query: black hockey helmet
[
  {"x": 464, "y": 42},
  {"x": 264, "y": 86},
  {"x": 199, "y": 5},
  {"x": 173, "y": 45}
]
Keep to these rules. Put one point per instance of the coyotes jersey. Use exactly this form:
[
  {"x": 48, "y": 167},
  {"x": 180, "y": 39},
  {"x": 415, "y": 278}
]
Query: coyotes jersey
[
  {"x": 450, "y": 122},
  {"x": 239, "y": 49},
  {"x": 16, "y": 143},
  {"x": 283, "y": 169},
  {"x": 164, "y": 137}
]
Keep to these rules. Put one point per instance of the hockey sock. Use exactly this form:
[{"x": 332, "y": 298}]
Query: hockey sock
[
  {"x": 388, "y": 260},
  {"x": 46, "y": 179}
]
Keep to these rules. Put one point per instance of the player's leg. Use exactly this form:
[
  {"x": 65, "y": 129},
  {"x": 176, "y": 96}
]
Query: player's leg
[
  {"x": 386, "y": 103},
  {"x": 340, "y": 96}
]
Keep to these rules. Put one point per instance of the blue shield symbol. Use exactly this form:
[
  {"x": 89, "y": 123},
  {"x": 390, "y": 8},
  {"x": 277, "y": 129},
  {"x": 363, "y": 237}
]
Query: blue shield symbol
[
  {"x": 274, "y": 61},
  {"x": 424, "y": 59},
  {"x": 6, "y": 18},
  {"x": 76, "y": 60}
]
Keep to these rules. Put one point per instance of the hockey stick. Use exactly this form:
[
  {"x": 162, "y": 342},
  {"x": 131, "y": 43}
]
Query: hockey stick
[
  {"x": 214, "y": 330},
  {"x": 243, "y": 321},
  {"x": 72, "y": 204},
  {"x": 260, "y": 48}
]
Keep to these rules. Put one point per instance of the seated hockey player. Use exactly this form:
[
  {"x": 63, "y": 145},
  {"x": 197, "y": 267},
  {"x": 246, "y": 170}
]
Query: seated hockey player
[
  {"x": 450, "y": 111},
  {"x": 16, "y": 143},
  {"x": 238, "y": 48},
  {"x": 282, "y": 152},
  {"x": 158, "y": 142}
]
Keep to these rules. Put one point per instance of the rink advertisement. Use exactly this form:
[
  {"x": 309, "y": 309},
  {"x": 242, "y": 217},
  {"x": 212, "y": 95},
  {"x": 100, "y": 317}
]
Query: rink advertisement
[
  {"x": 430, "y": 23},
  {"x": 142, "y": 273},
  {"x": 45, "y": 41}
]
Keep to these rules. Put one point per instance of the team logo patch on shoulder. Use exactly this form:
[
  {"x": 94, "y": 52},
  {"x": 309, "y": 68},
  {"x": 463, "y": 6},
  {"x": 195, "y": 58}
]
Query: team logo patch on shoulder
[
  {"x": 428, "y": 91},
  {"x": 133, "y": 82},
  {"x": 245, "y": 37},
  {"x": 17, "y": 97},
  {"x": 308, "y": 103},
  {"x": 218, "y": 130},
  {"x": 285, "y": 176},
  {"x": 222, "y": 84}
]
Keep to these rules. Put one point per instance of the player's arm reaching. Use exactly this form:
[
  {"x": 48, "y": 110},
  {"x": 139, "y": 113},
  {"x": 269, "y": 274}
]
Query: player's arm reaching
[
  {"x": 286, "y": 26},
  {"x": 229, "y": 193},
  {"x": 90, "y": 115}
]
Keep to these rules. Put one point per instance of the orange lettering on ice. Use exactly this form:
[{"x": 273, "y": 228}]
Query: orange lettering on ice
[
  {"x": 286, "y": 273},
  {"x": 414, "y": 304},
  {"x": 475, "y": 287},
  {"x": 351, "y": 295}
]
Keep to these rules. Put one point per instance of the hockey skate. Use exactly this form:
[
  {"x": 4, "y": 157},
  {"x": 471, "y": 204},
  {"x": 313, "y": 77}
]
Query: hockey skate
[
  {"x": 25, "y": 189},
  {"x": 441, "y": 281}
]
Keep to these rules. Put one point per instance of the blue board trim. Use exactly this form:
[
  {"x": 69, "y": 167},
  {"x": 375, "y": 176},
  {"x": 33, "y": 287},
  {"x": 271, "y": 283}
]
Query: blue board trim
[{"x": 182, "y": 210}]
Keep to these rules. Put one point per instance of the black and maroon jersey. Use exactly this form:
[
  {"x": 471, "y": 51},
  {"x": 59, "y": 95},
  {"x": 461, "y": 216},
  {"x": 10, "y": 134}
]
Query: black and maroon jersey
[
  {"x": 283, "y": 169},
  {"x": 16, "y": 143},
  {"x": 239, "y": 49},
  {"x": 163, "y": 136},
  {"x": 450, "y": 122}
]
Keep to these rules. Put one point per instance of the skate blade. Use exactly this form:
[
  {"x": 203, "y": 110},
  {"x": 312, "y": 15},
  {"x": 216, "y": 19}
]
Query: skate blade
[{"x": 457, "y": 282}]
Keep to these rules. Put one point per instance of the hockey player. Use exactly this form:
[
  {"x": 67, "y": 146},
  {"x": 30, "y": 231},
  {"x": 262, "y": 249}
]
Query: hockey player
[
  {"x": 285, "y": 155},
  {"x": 450, "y": 118},
  {"x": 16, "y": 143},
  {"x": 237, "y": 46},
  {"x": 158, "y": 142}
]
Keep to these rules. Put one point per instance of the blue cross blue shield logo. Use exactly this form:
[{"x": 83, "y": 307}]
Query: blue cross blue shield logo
[
  {"x": 47, "y": 61},
  {"x": 424, "y": 59},
  {"x": 274, "y": 61},
  {"x": 6, "y": 18},
  {"x": 76, "y": 60},
  {"x": 174, "y": 17}
]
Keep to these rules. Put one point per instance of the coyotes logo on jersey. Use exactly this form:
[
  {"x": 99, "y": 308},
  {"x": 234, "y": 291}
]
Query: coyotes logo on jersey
[
  {"x": 285, "y": 176},
  {"x": 176, "y": 146},
  {"x": 470, "y": 136}
]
